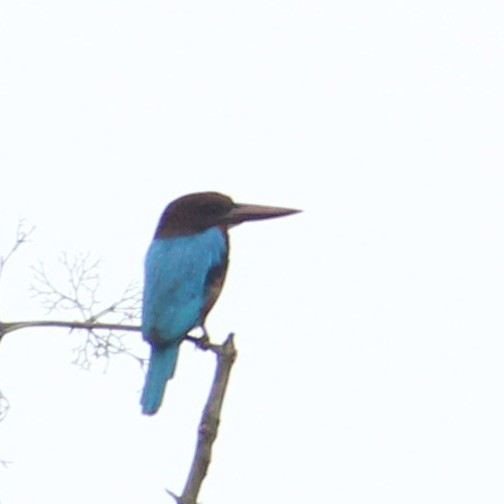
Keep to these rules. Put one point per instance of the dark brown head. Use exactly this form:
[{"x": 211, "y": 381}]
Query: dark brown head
[{"x": 198, "y": 212}]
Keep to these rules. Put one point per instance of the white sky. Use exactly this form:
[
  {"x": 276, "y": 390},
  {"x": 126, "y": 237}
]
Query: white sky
[{"x": 369, "y": 328}]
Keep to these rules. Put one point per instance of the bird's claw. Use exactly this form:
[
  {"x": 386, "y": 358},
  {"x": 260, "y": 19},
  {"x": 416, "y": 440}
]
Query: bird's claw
[{"x": 203, "y": 341}]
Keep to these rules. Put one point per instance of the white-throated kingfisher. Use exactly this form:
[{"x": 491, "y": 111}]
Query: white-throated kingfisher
[{"x": 185, "y": 270}]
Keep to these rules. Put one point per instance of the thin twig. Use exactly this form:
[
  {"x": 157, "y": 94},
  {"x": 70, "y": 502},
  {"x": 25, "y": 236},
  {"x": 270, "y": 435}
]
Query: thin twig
[
  {"x": 22, "y": 235},
  {"x": 79, "y": 295},
  {"x": 79, "y": 291},
  {"x": 210, "y": 419},
  {"x": 5, "y": 463},
  {"x": 4, "y": 406}
]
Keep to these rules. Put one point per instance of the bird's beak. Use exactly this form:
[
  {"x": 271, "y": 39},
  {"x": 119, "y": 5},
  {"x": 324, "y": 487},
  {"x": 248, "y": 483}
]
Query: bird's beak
[{"x": 243, "y": 212}]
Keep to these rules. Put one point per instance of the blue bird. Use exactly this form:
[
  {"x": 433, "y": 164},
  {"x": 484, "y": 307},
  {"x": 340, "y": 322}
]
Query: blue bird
[{"x": 185, "y": 270}]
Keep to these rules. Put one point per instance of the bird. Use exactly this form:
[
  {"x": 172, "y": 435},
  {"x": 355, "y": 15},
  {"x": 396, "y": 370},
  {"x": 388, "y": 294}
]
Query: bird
[{"x": 185, "y": 269}]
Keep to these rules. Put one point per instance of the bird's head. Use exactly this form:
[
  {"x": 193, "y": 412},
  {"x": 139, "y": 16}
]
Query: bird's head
[{"x": 197, "y": 212}]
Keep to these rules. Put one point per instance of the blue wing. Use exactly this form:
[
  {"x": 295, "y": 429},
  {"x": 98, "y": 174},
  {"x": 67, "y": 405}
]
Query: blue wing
[
  {"x": 177, "y": 290},
  {"x": 183, "y": 277}
]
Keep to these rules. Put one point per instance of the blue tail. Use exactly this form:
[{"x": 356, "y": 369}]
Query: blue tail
[{"x": 161, "y": 369}]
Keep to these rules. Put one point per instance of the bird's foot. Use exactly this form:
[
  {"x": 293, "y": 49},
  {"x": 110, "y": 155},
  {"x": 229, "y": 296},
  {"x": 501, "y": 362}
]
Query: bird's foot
[{"x": 203, "y": 341}]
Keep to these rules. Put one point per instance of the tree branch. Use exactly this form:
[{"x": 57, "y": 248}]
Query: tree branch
[
  {"x": 80, "y": 295},
  {"x": 209, "y": 424},
  {"x": 210, "y": 419},
  {"x": 7, "y": 327}
]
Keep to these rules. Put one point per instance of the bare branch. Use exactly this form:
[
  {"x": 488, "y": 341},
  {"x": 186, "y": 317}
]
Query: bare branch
[
  {"x": 102, "y": 325},
  {"x": 209, "y": 424},
  {"x": 23, "y": 233},
  {"x": 78, "y": 293},
  {"x": 127, "y": 307},
  {"x": 7, "y": 327},
  {"x": 103, "y": 345},
  {"x": 210, "y": 420},
  {"x": 79, "y": 290},
  {"x": 97, "y": 346}
]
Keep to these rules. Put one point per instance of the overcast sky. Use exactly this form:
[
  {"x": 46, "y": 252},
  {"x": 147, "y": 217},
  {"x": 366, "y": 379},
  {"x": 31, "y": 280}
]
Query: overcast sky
[{"x": 369, "y": 328}]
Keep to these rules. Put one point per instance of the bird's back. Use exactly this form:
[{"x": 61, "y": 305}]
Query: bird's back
[{"x": 181, "y": 275}]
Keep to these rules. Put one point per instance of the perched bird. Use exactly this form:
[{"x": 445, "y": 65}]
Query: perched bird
[{"x": 185, "y": 270}]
